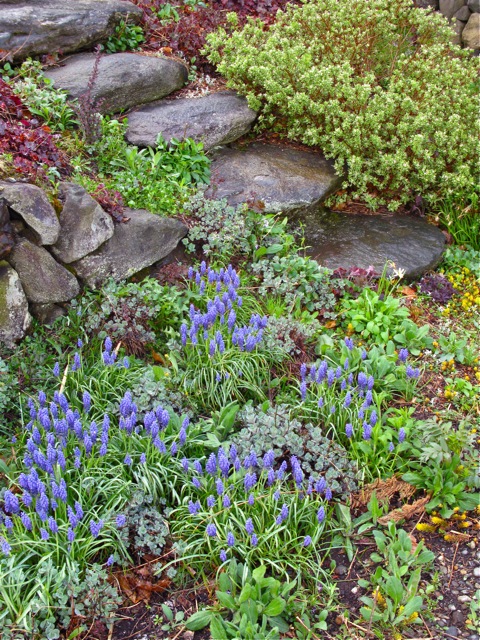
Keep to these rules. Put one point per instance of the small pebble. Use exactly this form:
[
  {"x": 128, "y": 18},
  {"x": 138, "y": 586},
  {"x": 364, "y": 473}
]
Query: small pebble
[
  {"x": 476, "y": 572},
  {"x": 457, "y": 618},
  {"x": 464, "y": 598},
  {"x": 453, "y": 632}
]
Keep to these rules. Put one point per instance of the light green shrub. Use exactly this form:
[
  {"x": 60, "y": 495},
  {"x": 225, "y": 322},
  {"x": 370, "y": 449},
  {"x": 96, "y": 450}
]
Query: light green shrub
[{"x": 377, "y": 85}]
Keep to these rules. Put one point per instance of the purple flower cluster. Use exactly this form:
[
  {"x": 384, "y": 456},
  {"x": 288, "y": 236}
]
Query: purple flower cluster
[
  {"x": 343, "y": 395},
  {"x": 233, "y": 479},
  {"x": 61, "y": 438},
  {"x": 218, "y": 324}
]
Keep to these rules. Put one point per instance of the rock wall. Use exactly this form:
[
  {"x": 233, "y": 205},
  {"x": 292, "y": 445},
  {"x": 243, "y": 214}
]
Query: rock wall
[
  {"x": 45, "y": 257},
  {"x": 464, "y": 16}
]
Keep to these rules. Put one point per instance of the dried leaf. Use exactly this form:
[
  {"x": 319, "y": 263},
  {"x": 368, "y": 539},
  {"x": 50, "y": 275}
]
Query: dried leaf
[
  {"x": 405, "y": 512},
  {"x": 330, "y": 324},
  {"x": 408, "y": 292},
  {"x": 385, "y": 490}
]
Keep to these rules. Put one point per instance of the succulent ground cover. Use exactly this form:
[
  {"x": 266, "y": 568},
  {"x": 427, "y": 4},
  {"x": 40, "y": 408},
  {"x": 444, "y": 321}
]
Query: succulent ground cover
[{"x": 221, "y": 451}]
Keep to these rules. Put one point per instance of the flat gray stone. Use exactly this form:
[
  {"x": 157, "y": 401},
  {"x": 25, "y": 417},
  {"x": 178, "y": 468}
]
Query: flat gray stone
[
  {"x": 31, "y": 204},
  {"x": 458, "y": 26},
  {"x": 463, "y": 14},
  {"x": 43, "y": 279},
  {"x": 14, "y": 316},
  {"x": 449, "y": 8},
  {"x": 285, "y": 179},
  {"x": 427, "y": 4},
  {"x": 471, "y": 33},
  {"x": 124, "y": 79},
  {"x": 474, "y": 5},
  {"x": 216, "y": 119},
  {"x": 139, "y": 243},
  {"x": 35, "y": 27},
  {"x": 84, "y": 224},
  {"x": 344, "y": 240},
  {"x": 47, "y": 313}
]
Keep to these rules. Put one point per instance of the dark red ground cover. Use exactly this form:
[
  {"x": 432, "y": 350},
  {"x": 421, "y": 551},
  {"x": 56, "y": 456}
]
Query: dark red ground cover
[
  {"x": 186, "y": 37},
  {"x": 30, "y": 143}
]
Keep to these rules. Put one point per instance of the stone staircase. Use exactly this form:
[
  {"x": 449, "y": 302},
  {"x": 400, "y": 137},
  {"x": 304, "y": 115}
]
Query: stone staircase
[{"x": 54, "y": 255}]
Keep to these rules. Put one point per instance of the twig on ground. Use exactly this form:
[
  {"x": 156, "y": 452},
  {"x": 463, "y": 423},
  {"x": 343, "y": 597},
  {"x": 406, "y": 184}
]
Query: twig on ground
[
  {"x": 352, "y": 563},
  {"x": 452, "y": 569},
  {"x": 306, "y": 628}
]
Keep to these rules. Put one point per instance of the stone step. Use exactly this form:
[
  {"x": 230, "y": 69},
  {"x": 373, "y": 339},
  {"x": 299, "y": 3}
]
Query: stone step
[
  {"x": 124, "y": 80},
  {"x": 285, "y": 179},
  {"x": 36, "y": 27},
  {"x": 337, "y": 239},
  {"x": 215, "y": 119}
]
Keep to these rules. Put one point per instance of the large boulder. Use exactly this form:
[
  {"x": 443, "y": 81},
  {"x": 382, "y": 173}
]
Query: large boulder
[
  {"x": 124, "y": 80},
  {"x": 471, "y": 33},
  {"x": 145, "y": 239},
  {"x": 216, "y": 119},
  {"x": 35, "y": 27},
  {"x": 43, "y": 279},
  {"x": 31, "y": 204},
  {"x": 84, "y": 224},
  {"x": 14, "y": 316},
  {"x": 337, "y": 239},
  {"x": 283, "y": 178}
]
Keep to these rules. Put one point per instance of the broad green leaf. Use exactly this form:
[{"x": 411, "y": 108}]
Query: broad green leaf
[
  {"x": 394, "y": 589},
  {"x": 275, "y": 607},
  {"x": 217, "y": 629},
  {"x": 259, "y": 572},
  {"x": 199, "y": 620},
  {"x": 245, "y": 593},
  {"x": 226, "y": 600},
  {"x": 413, "y": 605},
  {"x": 167, "y": 612}
]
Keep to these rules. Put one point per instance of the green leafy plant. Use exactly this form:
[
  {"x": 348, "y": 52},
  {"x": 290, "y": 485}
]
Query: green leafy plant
[
  {"x": 254, "y": 603},
  {"x": 446, "y": 484},
  {"x": 459, "y": 214},
  {"x": 137, "y": 314},
  {"x": 325, "y": 74},
  {"x": 170, "y": 620},
  {"x": 168, "y": 13},
  {"x": 272, "y": 428},
  {"x": 395, "y": 584},
  {"x": 154, "y": 179},
  {"x": 42, "y": 99},
  {"x": 473, "y": 620},
  {"x": 223, "y": 231},
  {"x": 127, "y": 37},
  {"x": 302, "y": 282},
  {"x": 452, "y": 346},
  {"x": 376, "y": 317}
]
